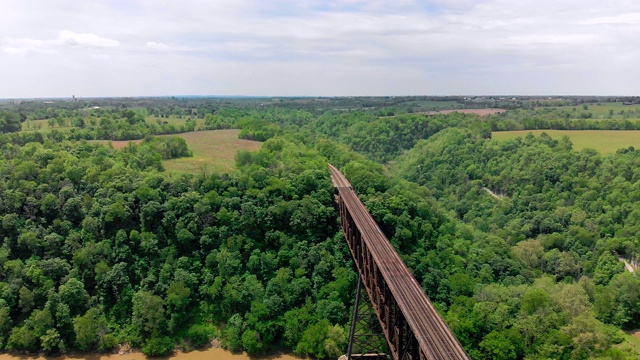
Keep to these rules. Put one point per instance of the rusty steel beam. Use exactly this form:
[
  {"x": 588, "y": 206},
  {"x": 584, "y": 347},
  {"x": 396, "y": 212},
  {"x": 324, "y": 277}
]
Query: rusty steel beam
[{"x": 411, "y": 325}]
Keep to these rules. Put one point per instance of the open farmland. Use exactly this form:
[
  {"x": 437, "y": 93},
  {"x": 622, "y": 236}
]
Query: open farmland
[
  {"x": 604, "y": 141},
  {"x": 213, "y": 150},
  {"x": 43, "y": 126},
  {"x": 171, "y": 120},
  {"x": 612, "y": 110},
  {"x": 432, "y": 104},
  {"x": 116, "y": 144},
  {"x": 481, "y": 112}
]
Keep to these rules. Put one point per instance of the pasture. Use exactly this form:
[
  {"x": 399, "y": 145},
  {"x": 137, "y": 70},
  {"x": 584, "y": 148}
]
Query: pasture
[
  {"x": 431, "y": 105},
  {"x": 116, "y": 144},
  {"x": 213, "y": 151},
  {"x": 613, "y": 110},
  {"x": 172, "y": 120},
  {"x": 44, "y": 126},
  {"x": 603, "y": 141},
  {"x": 481, "y": 112}
]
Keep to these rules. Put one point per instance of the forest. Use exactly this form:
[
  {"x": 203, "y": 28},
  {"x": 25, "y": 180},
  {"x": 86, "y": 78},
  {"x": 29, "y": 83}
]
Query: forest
[{"x": 517, "y": 243}]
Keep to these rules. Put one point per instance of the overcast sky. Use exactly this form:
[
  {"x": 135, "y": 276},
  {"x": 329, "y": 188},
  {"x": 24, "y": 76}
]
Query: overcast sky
[{"x": 56, "y": 48}]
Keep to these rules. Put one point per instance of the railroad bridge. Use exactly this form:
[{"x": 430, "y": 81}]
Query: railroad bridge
[{"x": 411, "y": 325}]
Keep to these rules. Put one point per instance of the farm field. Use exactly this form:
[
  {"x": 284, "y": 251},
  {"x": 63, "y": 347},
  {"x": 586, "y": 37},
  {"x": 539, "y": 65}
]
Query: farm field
[
  {"x": 43, "y": 125},
  {"x": 116, "y": 144},
  {"x": 171, "y": 120},
  {"x": 481, "y": 112},
  {"x": 213, "y": 150},
  {"x": 605, "y": 110},
  {"x": 604, "y": 141},
  {"x": 433, "y": 105}
]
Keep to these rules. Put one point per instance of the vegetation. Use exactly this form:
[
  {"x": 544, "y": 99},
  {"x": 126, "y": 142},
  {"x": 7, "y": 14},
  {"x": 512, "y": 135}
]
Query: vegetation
[
  {"x": 515, "y": 241},
  {"x": 97, "y": 236},
  {"x": 603, "y": 141},
  {"x": 558, "y": 221},
  {"x": 213, "y": 151}
]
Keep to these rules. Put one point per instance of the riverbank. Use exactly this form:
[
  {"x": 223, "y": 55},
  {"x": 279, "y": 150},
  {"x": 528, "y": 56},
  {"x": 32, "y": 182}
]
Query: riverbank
[{"x": 206, "y": 354}]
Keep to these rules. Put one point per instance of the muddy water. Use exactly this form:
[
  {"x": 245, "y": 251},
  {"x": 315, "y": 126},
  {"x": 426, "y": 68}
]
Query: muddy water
[{"x": 208, "y": 354}]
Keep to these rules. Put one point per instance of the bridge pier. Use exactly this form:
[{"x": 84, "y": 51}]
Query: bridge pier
[{"x": 363, "y": 336}]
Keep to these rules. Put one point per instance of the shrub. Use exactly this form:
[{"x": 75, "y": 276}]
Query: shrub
[
  {"x": 158, "y": 346},
  {"x": 200, "y": 335}
]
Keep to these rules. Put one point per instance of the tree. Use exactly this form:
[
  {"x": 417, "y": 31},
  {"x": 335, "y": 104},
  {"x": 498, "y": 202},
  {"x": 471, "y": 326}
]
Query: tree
[
  {"x": 497, "y": 346},
  {"x": 177, "y": 302},
  {"x": 296, "y": 321},
  {"x": 529, "y": 252},
  {"x": 26, "y": 300},
  {"x": 5, "y": 323},
  {"x": 252, "y": 342},
  {"x": 365, "y": 175},
  {"x": 74, "y": 295},
  {"x": 200, "y": 335},
  {"x": 608, "y": 265},
  {"x": 158, "y": 346},
  {"x": 9, "y": 122},
  {"x": 89, "y": 328},
  {"x": 590, "y": 336},
  {"x": 148, "y": 315},
  {"x": 617, "y": 303},
  {"x": 22, "y": 338},
  {"x": 322, "y": 340},
  {"x": 232, "y": 335},
  {"x": 51, "y": 341}
]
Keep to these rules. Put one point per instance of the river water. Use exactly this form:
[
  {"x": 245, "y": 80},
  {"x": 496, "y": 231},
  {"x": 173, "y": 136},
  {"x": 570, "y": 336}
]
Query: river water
[{"x": 208, "y": 354}]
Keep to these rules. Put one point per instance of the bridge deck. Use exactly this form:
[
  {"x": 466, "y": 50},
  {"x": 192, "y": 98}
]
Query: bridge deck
[{"x": 435, "y": 339}]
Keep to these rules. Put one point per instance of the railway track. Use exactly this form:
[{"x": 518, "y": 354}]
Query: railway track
[{"x": 391, "y": 287}]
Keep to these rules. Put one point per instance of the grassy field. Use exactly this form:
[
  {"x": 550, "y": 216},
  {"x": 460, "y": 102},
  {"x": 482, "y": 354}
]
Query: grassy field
[
  {"x": 427, "y": 105},
  {"x": 631, "y": 340},
  {"x": 604, "y": 141},
  {"x": 116, "y": 144},
  {"x": 213, "y": 150},
  {"x": 602, "y": 110},
  {"x": 171, "y": 120},
  {"x": 43, "y": 125}
]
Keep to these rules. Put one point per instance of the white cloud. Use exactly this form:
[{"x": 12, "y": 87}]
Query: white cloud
[
  {"x": 25, "y": 46},
  {"x": 84, "y": 39},
  {"x": 622, "y": 19},
  {"x": 156, "y": 45},
  {"x": 347, "y": 47},
  {"x": 101, "y": 57},
  {"x": 52, "y": 46},
  {"x": 552, "y": 39}
]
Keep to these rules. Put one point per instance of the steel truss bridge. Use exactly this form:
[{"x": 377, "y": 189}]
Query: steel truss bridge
[{"x": 411, "y": 325}]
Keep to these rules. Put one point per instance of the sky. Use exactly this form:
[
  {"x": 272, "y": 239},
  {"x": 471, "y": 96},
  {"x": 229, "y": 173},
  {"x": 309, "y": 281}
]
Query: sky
[{"x": 60, "y": 48}]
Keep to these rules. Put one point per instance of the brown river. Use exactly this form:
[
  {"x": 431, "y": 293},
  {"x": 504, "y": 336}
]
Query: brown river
[{"x": 208, "y": 354}]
